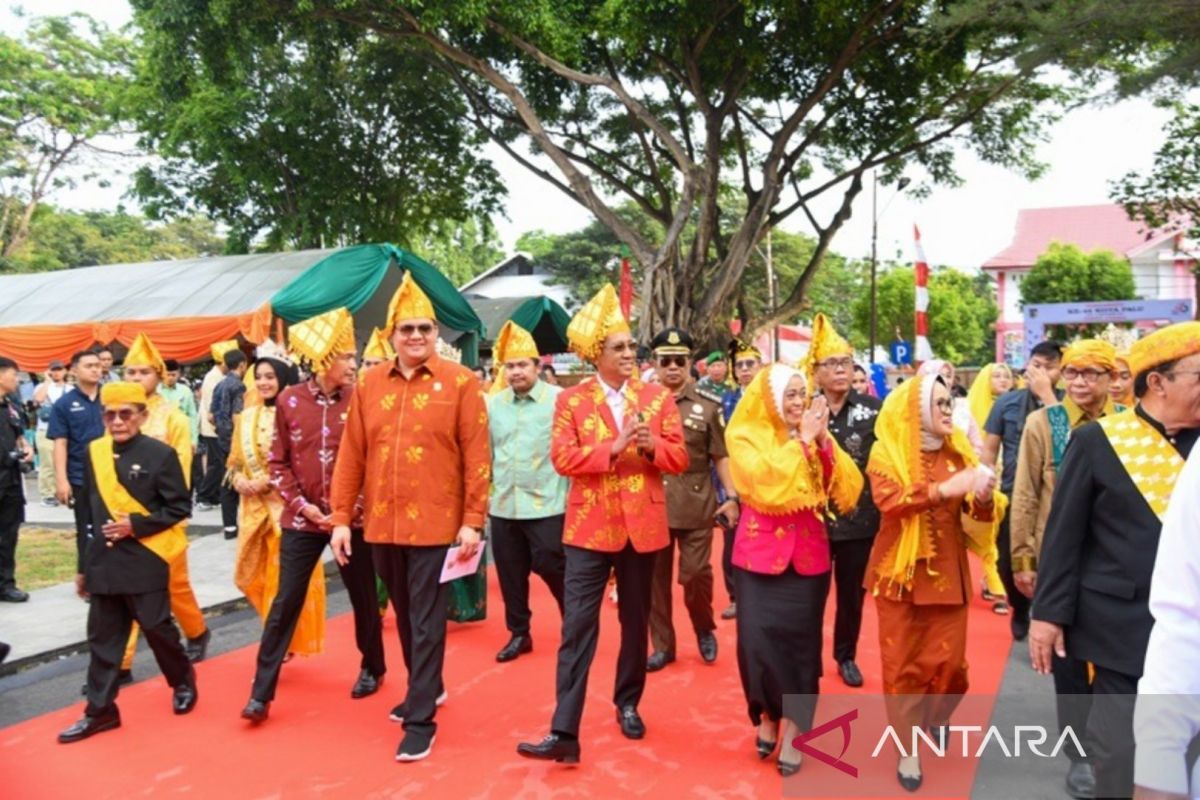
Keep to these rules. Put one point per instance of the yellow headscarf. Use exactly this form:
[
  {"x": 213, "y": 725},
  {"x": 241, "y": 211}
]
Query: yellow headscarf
[
  {"x": 512, "y": 343},
  {"x": 219, "y": 349},
  {"x": 1128, "y": 398},
  {"x": 594, "y": 322},
  {"x": 1090, "y": 353},
  {"x": 897, "y": 457},
  {"x": 979, "y": 397},
  {"x": 409, "y": 302},
  {"x": 1165, "y": 344},
  {"x": 770, "y": 469},
  {"x": 378, "y": 346},
  {"x": 122, "y": 393},
  {"x": 826, "y": 342},
  {"x": 323, "y": 338},
  {"x": 143, "y": 353}
]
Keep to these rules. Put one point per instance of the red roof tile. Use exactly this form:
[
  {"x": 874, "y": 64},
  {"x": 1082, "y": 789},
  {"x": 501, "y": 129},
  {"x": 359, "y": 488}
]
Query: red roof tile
[{"x": 1101, "y": 227}]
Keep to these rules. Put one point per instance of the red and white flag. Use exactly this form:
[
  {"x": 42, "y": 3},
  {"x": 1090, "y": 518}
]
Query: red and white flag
[{"x": 921, "y": 272}]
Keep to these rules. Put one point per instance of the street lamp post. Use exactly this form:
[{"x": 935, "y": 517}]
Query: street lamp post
[{"x": 875, "y": 214}]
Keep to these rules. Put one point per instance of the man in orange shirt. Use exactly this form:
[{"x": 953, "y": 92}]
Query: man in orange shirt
[
  {"x": 416, "y": 449},
  {"x": 614, "y": 437}
]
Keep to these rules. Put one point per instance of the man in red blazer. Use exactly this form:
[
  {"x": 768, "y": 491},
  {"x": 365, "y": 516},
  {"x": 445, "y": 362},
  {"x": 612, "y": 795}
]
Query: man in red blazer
[{"x": 614, "y": 437}]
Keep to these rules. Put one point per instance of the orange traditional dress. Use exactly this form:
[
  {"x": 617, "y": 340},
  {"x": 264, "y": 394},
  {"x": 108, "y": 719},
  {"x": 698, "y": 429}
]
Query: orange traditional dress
[
  {"x": 918, "y": 569},
  {"x": 256, "y": 571}
]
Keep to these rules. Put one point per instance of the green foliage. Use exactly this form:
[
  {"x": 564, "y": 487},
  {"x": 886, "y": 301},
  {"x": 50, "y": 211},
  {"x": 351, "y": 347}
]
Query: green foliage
[
  {"x": 62, "y": 90},
  {"x": 961, "y": 317},
  {"x": 1170, "y": 192},
  {"x": 65, "y": 239},
  {"x": 307, "y": 135},
  {"x": 1066, "y": 274},
  {"x": 461, "y": 250}
]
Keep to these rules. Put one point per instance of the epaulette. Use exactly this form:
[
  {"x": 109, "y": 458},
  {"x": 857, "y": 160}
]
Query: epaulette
[{"x": 710, "y": 396}]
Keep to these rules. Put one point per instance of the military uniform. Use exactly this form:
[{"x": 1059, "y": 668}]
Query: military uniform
[{"x": 691, "y": 504}]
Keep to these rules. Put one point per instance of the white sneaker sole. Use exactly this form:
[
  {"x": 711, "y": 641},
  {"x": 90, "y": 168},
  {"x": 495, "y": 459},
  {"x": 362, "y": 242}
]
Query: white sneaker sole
[
  {"x": 417, "y": 756},
  {"x": 441, "y": 700}
]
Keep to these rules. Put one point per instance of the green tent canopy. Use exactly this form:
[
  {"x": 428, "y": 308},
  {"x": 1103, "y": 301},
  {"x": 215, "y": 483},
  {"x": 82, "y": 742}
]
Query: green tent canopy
[{"x": 540, "y": 315}]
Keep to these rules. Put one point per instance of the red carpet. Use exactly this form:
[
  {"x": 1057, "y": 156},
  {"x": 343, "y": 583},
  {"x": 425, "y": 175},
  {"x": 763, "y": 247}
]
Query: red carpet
[{"x": 320, "y": 742}]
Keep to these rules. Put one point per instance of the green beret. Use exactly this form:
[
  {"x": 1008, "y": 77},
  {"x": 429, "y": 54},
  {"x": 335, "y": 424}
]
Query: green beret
[{"x": 714, "y": 356}]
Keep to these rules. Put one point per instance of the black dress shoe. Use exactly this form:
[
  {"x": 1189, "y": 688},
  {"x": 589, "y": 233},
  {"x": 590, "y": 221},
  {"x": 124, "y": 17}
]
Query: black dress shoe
[
  {"x": 196, "y": 649},
  {"x": 90, "y": 726},
  {"x": 708, "y": 646},
  {"x": 256, "y": 711},
  {"x": 631, "y": 724},
  {"x": 13, "y": 595},
  {"x": 1020, "y": 627},
  {"x": 517, "y": 646},
  {"x": 184, "y": 697},
  {"x": 658, "y": 659},
  {"x": 366, "y": 685},
  {"x": 552, "y": 748},
  {"x": 851, "y": 676},
  {"x": 1081, "y": 781},
  {"x": 910, "y": 784}
]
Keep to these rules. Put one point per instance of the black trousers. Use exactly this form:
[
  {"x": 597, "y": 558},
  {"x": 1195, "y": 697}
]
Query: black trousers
[
  {"x": 696, "y": 578},
  {"x": 12, "y": 513},
  {"x": 228, "y": 495},
  {"x": 1073, "y": 700},
  {"x": 521, "y": 546},
  {"x": 850, "y": 558},
  {"x": 81, "y": 499},
  {"x": 110, "y": 618},
  {"x": 411, "y": 575},
  {"x": 586, "y": 578},
  {"x": 299, "y": 553},
  {"x": 209, "y": 489},
  {"x": 727, "y": 561},
  {"x": 1110, "y": 732},
  {"x": 1018, "y": 601}
]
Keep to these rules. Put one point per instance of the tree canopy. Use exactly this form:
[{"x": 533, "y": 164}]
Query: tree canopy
[
  {"x": 1066, "y": 274},
  {"x": 659, "y": 104}
]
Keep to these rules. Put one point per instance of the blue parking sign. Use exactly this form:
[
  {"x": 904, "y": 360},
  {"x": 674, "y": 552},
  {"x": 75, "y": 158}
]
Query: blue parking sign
[{"x": 901, "y": 352}]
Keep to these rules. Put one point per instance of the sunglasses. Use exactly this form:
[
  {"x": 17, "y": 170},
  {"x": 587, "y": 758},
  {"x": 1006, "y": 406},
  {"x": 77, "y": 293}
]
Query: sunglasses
[
  {"x": 423, "y": 330},
  {"x": 749, "y": 363},
  {"x": 123, "y": 414},
  {"x": 666, "y": 361},
  {"x": 623, "y": 347}
]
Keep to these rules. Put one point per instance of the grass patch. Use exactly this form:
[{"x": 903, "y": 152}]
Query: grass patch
[{"x": 45, "y": 557}]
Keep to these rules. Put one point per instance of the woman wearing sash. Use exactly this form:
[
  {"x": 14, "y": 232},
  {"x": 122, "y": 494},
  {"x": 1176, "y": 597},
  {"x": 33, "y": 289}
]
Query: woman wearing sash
[
  {"x": 788, "y": 471},
  {"x": 256, "y": 572},
  {"x": 937, "y": 503}
]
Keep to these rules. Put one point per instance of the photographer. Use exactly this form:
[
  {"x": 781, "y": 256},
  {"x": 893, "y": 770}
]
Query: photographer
[{"x": 16, "y": 459}]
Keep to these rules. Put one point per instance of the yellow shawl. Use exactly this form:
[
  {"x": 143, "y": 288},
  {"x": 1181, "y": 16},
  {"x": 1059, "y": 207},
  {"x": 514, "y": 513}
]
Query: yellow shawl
[
  {"x": 770, "y": 470},
  {"x": 167, "y": 544},
  {"x": 897, "y": 457},
  {"x": 979, "y": 397}
]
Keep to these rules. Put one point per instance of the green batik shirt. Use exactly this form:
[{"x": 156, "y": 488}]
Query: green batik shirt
[
  {"x": 524, "y": 483},
  {"x": 182, "y": 398}
]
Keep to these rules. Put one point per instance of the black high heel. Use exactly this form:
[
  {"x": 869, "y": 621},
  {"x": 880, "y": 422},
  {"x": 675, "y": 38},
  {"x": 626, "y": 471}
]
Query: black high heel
[
  {"x": 786, "y": 769},
  {"x": 764, "y": 747}
]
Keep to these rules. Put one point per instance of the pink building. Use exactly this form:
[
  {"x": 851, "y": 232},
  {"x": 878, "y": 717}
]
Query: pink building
[{"x": 1162, "y": 261}]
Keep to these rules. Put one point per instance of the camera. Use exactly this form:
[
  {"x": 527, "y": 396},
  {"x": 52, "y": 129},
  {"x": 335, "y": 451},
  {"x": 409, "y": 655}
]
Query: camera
[{"x": 15, "y": 458}]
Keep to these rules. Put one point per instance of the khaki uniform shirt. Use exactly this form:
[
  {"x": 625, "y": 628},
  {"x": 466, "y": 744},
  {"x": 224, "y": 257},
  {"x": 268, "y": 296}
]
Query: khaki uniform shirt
[{"x": 691, "y": 496}]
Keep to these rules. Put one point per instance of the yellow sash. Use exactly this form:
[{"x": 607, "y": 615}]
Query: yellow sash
[
  {"x": 168, "y": 544},
  {"x": 1152, "y": 463}
]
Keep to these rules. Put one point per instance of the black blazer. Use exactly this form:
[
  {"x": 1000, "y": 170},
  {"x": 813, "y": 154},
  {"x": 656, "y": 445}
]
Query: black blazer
[{"x": 150, "y": 471}]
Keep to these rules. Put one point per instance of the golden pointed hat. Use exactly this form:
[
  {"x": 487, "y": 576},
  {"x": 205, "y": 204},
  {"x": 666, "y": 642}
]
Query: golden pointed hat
[
  {"x": 1165, "y": 344},
  {"x": 826, "y": 342},
  {"x": 512, "y": 344},
  {"x": 594, "y": 322},
  {"x": 143, "y": 353},
  {"x": 378, "y": 346},
  {"x": 122, "y": 393},
  {"x": 219, "y": 349},
  {"x": 409, "y": 302},
  {"x": 321, "y": 339},
  {"x": 1090, "y": 353}
]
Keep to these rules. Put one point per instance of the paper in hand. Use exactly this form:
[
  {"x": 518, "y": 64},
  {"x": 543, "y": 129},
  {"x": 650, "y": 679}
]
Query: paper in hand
[{"x": 453, "y": 569}]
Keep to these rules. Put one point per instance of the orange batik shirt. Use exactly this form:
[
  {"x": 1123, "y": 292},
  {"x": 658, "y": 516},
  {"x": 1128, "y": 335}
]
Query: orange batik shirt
[
  {"x": 417, "y": 449},
  {"x": 615, "y": 501}
]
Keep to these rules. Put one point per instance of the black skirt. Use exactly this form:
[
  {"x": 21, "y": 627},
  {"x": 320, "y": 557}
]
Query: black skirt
[{"x": 779, "y": 640}]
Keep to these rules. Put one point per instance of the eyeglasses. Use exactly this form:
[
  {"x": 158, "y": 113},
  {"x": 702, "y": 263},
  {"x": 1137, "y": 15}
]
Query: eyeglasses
[
  {"x": 1175, "y": 372},
  {"x": 423, "y": 330},
  {"x": 123, "y": 414},
  {"x": 1089, "y": 376},
  {"x": 666, "y": 361},
  {"x": 749, "y": 363},
  {"x": 837, "y": 363},
  {"x": 944, "y": 404},
  {"x": 623, "y": 347}
]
